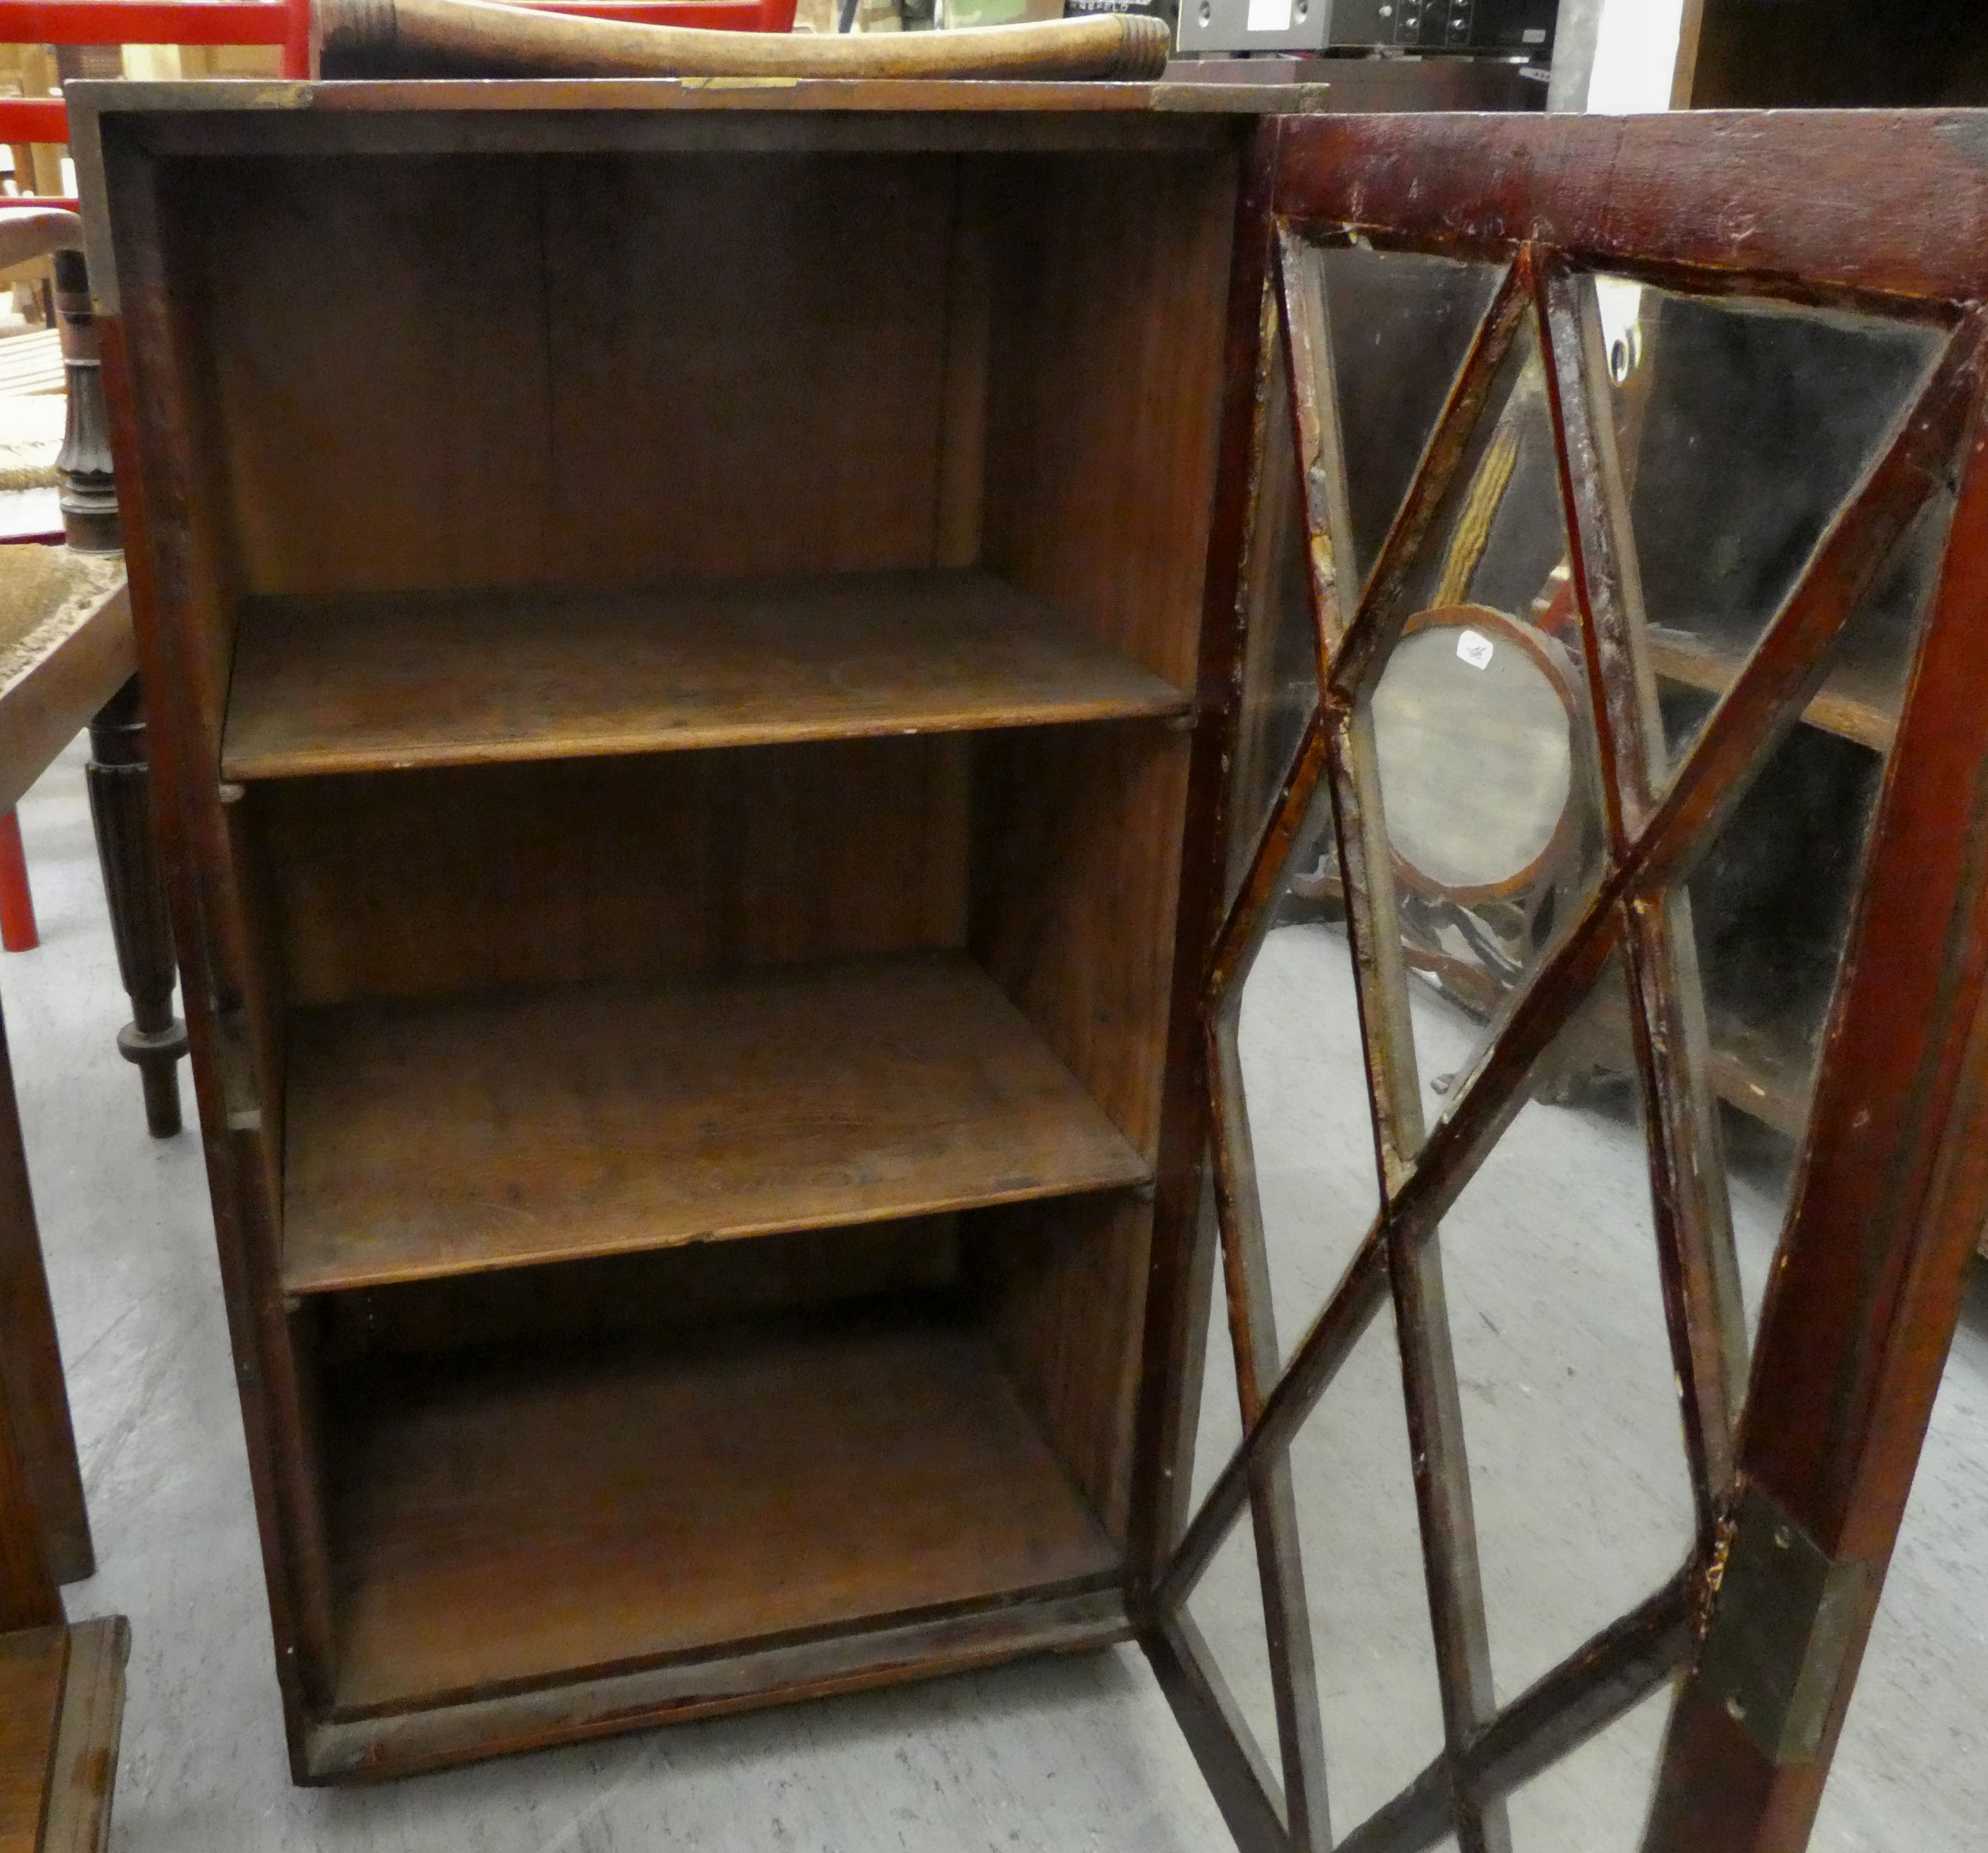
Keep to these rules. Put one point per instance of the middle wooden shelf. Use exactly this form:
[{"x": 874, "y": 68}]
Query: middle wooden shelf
[
  {"x": 385, "y": 682},
  {"x": 453, "y": 1136}
]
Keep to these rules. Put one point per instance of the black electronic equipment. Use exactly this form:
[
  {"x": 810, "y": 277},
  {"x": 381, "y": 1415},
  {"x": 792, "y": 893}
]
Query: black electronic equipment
[{"x": 1513, "y": 28}]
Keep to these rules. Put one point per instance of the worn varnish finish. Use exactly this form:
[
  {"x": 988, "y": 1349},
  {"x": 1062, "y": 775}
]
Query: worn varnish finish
[
  {"x": 327, "y": 686},
  {"x": 61, "y": 1688},
  {"x": 713, "y": 1489},
  {"x": 1077, "y": 324},
  {"x": 424, "y": 1139},
  {"x": 1892, "y": 1187},
  {"x": 84, "y": 1768},
  {"x": 46, "y": 1524},
  {"x": 922, "y": 831},
  {"x": 32, "y": 1663},
  {"x": 493, "y": 878}
]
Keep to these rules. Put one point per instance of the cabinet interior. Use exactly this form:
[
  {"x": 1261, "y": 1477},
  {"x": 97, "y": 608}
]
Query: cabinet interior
[{"x": 699, "y": 648}]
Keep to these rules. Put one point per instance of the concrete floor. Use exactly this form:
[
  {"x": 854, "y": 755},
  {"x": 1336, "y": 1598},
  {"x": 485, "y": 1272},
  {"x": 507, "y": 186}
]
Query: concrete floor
[{"x": 1568, "y": 1411}]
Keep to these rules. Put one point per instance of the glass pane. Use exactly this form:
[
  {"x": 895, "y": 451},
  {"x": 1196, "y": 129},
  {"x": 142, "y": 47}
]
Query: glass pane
[
  {"x": 1742, "y": 427},
  {"x": 1484, "y": 739},
  {"x": 1771, "y": 902},
  {"x": 1225, "y": 1609},
  {"x": 1279, "y": 670},
  {"x": 1398, "y": 326},
  {"x": 1595, "y": 1799},
  {"x": 1304, "y": 1087},
  {"x": 1578, "y": 1473},
  {"x": 1351, "y": 1475}
]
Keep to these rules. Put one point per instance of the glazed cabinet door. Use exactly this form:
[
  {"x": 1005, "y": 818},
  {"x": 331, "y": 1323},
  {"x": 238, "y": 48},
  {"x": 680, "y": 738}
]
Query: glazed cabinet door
[{"x": 1590, "y": 1044}]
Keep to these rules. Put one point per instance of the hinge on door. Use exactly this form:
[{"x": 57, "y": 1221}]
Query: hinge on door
[{"x": 1782, "y": 1624}]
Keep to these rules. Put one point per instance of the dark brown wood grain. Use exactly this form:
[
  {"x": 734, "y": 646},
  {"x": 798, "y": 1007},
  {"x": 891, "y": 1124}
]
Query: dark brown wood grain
[
  {"x": 972, "y": 1634},
  {"x": 164, "y": 441},
  {"x": 632, "y": 868},
  {"x": 327, "y": 686},
  {"x": 28, "y": 1595},
  {"x": 1802, "y": 209},
  {"x": 1178, "y": 1298},
  {"x": 880, "y": 340},
  {"x": 43, "y": 1518},
  {"x": 84, "y": 1773},
  {"x": 613, "y": 336},
  {"x": 690, "y": 1495},
  {"x": 422, "y": 1141},
  {"x": 32, "y": 1663}
]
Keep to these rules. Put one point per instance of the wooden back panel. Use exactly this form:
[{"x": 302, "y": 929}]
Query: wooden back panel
[
  {"x": 612, "y": 369},
  {"x": 585, "y": 370},
  {"x": 485, "y": 878}
]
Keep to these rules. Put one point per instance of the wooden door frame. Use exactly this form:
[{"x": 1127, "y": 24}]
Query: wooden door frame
[{"x": 1801, "y": 1485}]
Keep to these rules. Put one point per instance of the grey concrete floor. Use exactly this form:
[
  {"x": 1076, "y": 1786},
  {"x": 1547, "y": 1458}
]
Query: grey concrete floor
[{"x": 1577, "y": 1467}]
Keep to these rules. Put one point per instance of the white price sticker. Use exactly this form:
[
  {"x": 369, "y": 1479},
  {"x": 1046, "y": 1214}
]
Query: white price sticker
[
  {"x": 1475, "y": 649},
  {"x": 1270, "y": 15}
]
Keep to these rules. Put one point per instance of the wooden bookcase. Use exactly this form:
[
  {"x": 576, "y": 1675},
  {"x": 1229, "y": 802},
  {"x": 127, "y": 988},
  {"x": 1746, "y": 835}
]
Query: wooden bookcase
[
  {"x": 683, "y": 624},
  {"x": 708, "y": 692}
]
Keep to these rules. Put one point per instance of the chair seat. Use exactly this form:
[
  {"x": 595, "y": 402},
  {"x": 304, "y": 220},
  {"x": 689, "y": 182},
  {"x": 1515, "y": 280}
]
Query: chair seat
[{"x": 65, "y": 648}]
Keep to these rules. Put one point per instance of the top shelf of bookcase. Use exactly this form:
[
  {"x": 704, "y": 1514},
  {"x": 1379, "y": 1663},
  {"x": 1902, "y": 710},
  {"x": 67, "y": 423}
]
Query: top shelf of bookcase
[{"x": 375, "y": 682}]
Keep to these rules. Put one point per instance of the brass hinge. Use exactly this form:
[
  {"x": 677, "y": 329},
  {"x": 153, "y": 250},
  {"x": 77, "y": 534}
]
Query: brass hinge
[{"x": 1782, "y": 1620}]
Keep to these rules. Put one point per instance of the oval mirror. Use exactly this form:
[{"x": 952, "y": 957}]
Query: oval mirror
[{"x": 1475, "y": 739}]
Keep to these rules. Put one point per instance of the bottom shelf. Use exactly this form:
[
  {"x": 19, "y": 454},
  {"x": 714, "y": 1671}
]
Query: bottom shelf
[{"x": 527, "y": 1518}]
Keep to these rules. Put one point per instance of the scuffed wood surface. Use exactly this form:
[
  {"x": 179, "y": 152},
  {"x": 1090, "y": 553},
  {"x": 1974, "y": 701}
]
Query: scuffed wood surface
[
  {"x": 355, "y": 685},
  {"x": 1903, "y": 211},
  {"x": 719, "y": 1489},
  {"x": 86, "y": 1741},
  {"x": 448, "y": 1138},
  {"x": 32, "y": 1665}
]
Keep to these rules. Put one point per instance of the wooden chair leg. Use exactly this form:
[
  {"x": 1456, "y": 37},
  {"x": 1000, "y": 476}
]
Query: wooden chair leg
[
  {"x": 31, "y": 1372},
  {"x": 17, "y": 930},
  {"x": 121, "y": 807}
]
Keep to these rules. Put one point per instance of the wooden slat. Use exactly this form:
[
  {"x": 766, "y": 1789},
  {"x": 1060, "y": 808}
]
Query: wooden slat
[
  {"x": 1858, "y": 701},
  {"x": 847, "y": 1660},
  {"x": 31, "y": 1664},
  {"x": 32, "y": 363},
  {"x": 87, "y": 1738},
  {"x": 536, "y": 1519},
  {"x": 376, "y": 684},
  {"x": 433, "y": 1139}
]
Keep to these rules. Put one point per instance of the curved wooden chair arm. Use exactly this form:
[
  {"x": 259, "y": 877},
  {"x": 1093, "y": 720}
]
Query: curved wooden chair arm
[
  {"x": 36, "y": 231},
  {"x": 482, "y": 38}
]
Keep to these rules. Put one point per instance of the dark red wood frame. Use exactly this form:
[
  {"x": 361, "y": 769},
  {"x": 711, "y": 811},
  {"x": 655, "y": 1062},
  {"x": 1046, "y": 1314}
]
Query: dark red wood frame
[{"x": 1880, "y": 213}]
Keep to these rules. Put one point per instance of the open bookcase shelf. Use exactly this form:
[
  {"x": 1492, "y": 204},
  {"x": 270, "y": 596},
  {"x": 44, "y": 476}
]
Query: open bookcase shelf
[
  {"x": 420, "y": 1144},
  {"x": 713, "y": 1489},
  {"x": 381, "y": 683},
  {"x": 691, "y": 652}
]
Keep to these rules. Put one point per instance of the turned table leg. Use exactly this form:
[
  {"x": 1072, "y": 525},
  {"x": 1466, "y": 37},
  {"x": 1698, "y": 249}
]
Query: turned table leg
[{"x": 121, "y": 807}]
